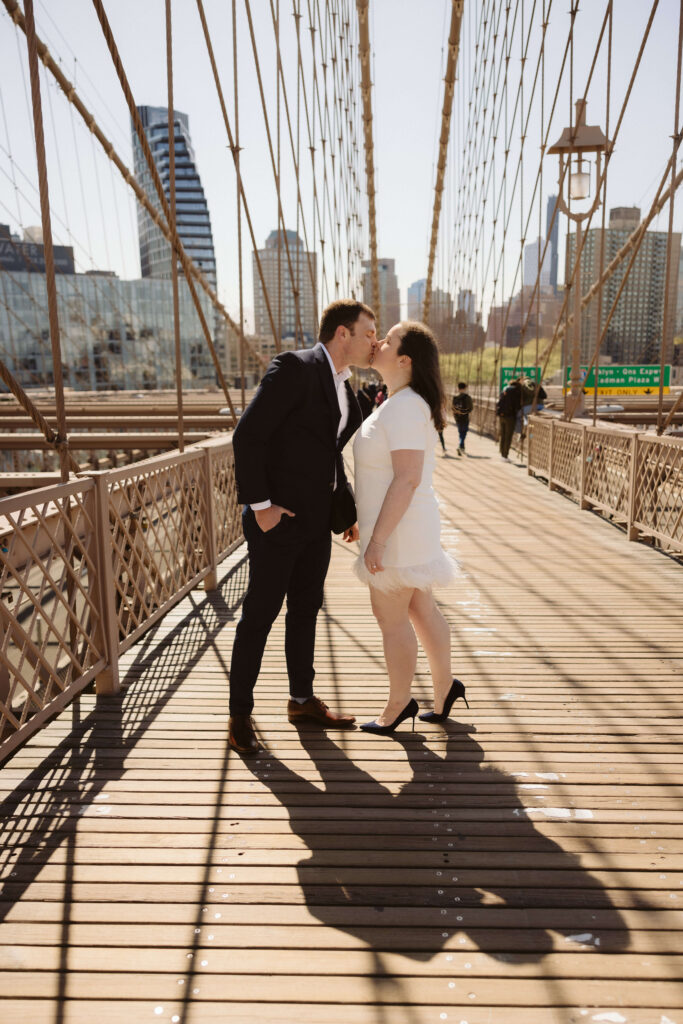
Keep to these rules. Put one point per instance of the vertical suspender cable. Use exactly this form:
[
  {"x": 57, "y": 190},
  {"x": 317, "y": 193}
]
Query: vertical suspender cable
[
  {"x": 281, "y": 226},
  {"x": 366, "y": 90},
  {"x": 449, "y": 86},
  {"x": 669, "y": 247},
  {"x": 62, "y": 442},
  {"x": 598, "y": 315},
  {"x": 173, "y": 225},
  {"x": 239, "y": 199}
]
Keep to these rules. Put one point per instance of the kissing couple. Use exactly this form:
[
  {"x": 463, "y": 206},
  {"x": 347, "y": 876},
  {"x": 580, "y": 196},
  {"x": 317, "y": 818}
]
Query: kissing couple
[{"x": 291, "y": 480}]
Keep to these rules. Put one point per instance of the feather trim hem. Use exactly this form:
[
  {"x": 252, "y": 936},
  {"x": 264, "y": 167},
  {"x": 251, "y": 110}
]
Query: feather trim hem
[{"x": 441, "y": 572}]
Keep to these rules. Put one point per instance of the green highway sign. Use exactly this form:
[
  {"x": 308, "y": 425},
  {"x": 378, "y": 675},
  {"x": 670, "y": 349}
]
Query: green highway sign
[
  {"x": 508, "y": 373},
  {"x": 623, "y": 380}
]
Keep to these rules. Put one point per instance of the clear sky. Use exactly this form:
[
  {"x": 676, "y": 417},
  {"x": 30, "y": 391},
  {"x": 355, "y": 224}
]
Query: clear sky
[{"x": 93, "y": 211}]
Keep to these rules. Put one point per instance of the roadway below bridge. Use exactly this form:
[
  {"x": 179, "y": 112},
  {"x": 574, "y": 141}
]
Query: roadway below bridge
[{"x": 521, "y": 865}]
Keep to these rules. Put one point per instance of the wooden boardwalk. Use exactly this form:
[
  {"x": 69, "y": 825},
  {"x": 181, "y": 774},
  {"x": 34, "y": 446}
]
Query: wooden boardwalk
[{"x": 523, "y": 865}]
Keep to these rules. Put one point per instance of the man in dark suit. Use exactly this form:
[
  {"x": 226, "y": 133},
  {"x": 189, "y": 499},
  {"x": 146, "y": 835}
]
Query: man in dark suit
[{"x": 291, "y": 480}]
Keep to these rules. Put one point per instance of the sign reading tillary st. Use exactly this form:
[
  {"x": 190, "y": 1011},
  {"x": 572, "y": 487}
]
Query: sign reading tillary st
[
  {"x": 623, "y": 380},
  {"x": 507, "y": 373}
]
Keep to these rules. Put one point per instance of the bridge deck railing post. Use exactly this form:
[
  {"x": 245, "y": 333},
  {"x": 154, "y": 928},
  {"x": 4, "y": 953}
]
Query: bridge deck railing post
[
  {"x": 583, "y": 503},
  {"x": 551, "y": 454},
  {"x": 107, "y": 681},
  {"x": 211, "y": 579},
  {"x": 631, "y": 531}
]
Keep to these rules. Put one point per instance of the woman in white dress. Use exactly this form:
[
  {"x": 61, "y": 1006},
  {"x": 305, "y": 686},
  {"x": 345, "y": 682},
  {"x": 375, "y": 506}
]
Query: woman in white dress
[{"x": 398, "y": 518}]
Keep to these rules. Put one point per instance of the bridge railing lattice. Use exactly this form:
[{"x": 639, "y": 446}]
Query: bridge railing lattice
[{"x": 87, "y": 566}]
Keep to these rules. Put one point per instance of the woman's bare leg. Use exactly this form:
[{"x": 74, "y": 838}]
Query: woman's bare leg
[
  {"x": 400, "y": 647},
  {"x": 435, "y": 636}
]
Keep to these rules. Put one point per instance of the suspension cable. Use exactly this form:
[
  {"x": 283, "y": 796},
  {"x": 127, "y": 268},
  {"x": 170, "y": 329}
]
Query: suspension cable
[
  {"x": 61, "y": 441},
  {"x": 366, "y": 90},
  {"x": 449, "y": 87},
  {"x": 173, "y": 223}
]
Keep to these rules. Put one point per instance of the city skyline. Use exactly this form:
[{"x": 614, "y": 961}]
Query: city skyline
[{"x": 411, "y": 34}]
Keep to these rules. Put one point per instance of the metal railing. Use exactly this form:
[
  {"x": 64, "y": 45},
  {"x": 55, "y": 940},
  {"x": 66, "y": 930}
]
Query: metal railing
[
  {"x": 637, "y": 478},
  {"x": 88, "y": 566}
]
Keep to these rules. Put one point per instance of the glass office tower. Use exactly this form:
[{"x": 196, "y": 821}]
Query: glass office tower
[{"x": 192, "y": 213}]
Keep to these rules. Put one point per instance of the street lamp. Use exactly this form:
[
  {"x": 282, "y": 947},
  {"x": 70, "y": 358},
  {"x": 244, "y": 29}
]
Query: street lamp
[{"x": 575, "y": 143}]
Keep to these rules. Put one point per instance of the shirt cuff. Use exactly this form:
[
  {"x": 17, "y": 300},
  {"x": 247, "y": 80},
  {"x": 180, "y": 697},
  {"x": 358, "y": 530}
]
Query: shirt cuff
[{"x": 258, "y": 506}]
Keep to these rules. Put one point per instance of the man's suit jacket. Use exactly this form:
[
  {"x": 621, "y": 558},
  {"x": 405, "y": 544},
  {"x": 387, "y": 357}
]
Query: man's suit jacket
[{"x": 285, "y": 444}]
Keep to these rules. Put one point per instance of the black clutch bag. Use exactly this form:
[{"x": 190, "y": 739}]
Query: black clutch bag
[{"x": 344, "y": 512}]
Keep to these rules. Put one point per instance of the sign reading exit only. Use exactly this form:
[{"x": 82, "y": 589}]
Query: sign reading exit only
[{"x": 623, "y": 380}]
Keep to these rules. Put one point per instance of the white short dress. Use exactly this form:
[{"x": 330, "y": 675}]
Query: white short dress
[{"x": 413, "y": 556}]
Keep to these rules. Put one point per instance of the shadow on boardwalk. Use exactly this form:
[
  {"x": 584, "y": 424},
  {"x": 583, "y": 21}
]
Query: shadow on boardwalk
[
  {"x": 562, "y": 894},
  {"x": 513, "y": 922},
  {"x": 41, "y": 813}
]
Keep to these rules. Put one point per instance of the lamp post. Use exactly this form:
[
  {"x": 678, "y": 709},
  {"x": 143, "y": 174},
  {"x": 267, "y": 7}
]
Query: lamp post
[{"x": 579, "y": 141}]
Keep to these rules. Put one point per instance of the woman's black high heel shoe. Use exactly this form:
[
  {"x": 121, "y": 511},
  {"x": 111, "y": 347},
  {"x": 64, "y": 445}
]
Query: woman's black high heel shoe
[
  {"x": 409, "y": 711},
  {"x": 457, "y": 690}
]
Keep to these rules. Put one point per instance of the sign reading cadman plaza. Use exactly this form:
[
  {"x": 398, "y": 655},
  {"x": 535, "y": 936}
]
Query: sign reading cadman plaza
[{"x": 623, "y": 380}]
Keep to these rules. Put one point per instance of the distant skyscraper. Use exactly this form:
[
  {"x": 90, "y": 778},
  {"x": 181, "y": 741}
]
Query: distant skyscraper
[
  {"x": 389, "y": 295},
  {"x": 679, "y": 302},
  {"x": 192, "y": 214},
  {"x": 554, "y": 234},
  {"x": 635, "y": 331},
  {"x": 466, "y": 305},
  {"x": 440, "y": 309},
  {"x": 532, "y": 253},
  {"x": 280, "y": 291},
  {"x": 416, "y": 298}
]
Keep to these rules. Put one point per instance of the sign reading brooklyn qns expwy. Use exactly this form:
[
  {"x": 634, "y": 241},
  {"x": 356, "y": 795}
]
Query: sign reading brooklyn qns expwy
[{"x": 623, "y": 380}]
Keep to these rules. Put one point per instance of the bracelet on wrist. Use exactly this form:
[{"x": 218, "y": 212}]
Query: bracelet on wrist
[{"x": 378, "y": 542}]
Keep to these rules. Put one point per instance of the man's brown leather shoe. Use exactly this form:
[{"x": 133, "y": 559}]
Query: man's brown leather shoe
[
  {"x": 314, "y": 710},
  {"x": 241, "y": 735}
]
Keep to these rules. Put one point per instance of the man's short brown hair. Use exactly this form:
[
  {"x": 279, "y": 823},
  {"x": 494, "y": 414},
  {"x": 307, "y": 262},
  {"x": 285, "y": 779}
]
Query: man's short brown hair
[{"x": 342, "y": 313}]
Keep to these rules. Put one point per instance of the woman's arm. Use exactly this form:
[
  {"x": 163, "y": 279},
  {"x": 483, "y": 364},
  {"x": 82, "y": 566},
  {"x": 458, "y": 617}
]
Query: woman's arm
[{"x": 407, "y": 464}]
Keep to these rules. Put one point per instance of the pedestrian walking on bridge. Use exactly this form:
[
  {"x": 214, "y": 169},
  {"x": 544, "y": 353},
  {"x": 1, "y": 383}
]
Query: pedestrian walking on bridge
[{"x": 462, "y": 406}]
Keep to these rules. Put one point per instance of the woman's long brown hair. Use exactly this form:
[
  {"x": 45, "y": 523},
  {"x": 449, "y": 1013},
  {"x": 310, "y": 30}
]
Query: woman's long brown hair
[{"x": 418, "y": 342}]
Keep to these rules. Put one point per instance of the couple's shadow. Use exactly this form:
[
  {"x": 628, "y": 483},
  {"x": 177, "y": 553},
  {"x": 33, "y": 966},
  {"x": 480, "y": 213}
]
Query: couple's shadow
[{"x": 453, "y": 850}]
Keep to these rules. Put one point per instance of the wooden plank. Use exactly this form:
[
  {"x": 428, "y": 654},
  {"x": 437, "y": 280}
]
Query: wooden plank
[
  {"x": 572, "y": 920},
  {"x": 366, "y": 989},
  {"x": 441, "y": 880},
  {"x": 448, "y": 963},
  {"x": 316, "y": 937},
  {"x": 73, "y": 1011}
]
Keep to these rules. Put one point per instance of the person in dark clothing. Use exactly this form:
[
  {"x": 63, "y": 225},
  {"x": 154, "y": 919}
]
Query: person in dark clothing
[
  {"x": 290, "y": 477},
  {"x": 366, "y": 395},
  {"x": 462, "y": 405},
  {"x": 507, "y": 407},
  {"x": 529, "y": 390}
]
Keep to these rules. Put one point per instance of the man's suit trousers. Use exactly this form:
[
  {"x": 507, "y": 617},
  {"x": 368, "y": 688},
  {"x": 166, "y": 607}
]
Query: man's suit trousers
[{"x": 291, "y": 561}]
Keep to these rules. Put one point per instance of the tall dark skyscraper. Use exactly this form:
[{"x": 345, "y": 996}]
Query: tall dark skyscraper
[
  {"x": 192, "y": 214},
  {"x": 554, "y": 235}
]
